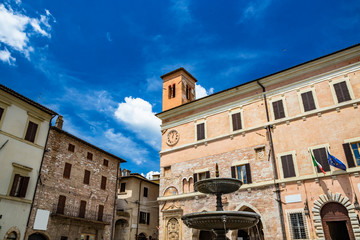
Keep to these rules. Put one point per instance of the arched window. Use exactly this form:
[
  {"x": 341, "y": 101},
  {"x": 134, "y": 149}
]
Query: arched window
[
  {"x": 185, "y": 186},
  {"x": 12, "y": 236},
  {"x": 191, "y": 184}
]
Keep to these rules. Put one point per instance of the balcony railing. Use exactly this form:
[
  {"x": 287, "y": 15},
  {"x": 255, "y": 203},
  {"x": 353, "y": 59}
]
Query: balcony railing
[{"x": 74, "y": 212}]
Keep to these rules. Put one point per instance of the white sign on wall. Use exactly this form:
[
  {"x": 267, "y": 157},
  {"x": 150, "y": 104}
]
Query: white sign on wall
[
  {"x": 41, "y": 219},
  {"x": 293, "y": 198}
]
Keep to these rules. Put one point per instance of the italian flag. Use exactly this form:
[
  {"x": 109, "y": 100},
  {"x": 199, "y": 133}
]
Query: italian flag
[{"x": 316, "y": 163}]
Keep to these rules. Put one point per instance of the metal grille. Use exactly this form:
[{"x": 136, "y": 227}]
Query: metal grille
[{"x": 297, "y": 226}]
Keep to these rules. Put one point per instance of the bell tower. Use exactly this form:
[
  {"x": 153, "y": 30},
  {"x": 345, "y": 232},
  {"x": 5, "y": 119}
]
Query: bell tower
[{"x": 178, "y": 88}]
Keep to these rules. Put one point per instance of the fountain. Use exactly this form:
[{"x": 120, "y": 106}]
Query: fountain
[{"x": 220, "y": 221}]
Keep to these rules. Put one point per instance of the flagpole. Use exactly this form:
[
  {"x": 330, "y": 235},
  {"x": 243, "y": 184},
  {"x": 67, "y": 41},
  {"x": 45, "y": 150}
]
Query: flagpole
[{"x": 317, "y": 176}]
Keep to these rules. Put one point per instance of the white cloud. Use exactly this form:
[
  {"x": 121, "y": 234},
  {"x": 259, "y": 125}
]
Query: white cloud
[
  {"x": 138, "y": 116},
  {"x": 108, "y": 37},
  {"x": 181, "y": 11},
  {"x": 254, "y": 9},
  {"x": 202, "y": 92},
  {"x": 6, "y": 57},
  {"x": 14, "y": 30},
  {"x": 154, "y": 84},
  {"x": 150, "y": 174}
]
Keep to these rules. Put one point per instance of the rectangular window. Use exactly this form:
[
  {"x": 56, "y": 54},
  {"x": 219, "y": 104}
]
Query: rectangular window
[
  {"x": 87, "y": 177},
  {"x": 82, "y": 209},
  {"x": 100, "y": 213},
  {"x": 352, "y": 154},
  {"x": 187, "y": 92},
  {"x": 321, "y": 156},
  {"x": 288, "y": 166},
  {"x": 342, "y": 92},
  {"x": 146, "y": 191},
  {"x": 242, "y": 172},
  {"x": 67, "y": 170},
  {"x": 103, "y": 183},
  {"x": 31, "y": 131},
  {"x": 200, "y": 131},
  {"x": 142, "y": 218},
  {"x": 236, "y": 121},
  {"x": 308, "y": 101},
  {"x": 19, "y": 186},
  {"x": 106, "y": 163},
  {"x": 1, "y": 112},
  {"x": 173, "y": 90},
  {"x": 148, "y": 219},
  {"x": 71, "y": 148},
  {"x": 122, "y": 187},
  {"x": 297, "y": 226},
  {"x": 89, "y": 156},
  {"x": 61, "y": 204},
  {"x": 278, "y": 108}
]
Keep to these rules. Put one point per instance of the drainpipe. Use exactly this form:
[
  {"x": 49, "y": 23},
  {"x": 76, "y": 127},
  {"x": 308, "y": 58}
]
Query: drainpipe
[
  {"x": 277, "y": 187},
  {"x": 38, "y": 178},
  {"x": 116, "y": 188},
  {"x": 138, "y": 215}
]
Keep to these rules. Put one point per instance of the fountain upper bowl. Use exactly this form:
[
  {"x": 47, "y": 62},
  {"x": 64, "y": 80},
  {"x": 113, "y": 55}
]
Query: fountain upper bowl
[{"x": 218, "y": 185}]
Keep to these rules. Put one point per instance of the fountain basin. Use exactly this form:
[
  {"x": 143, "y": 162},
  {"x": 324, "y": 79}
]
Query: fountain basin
[
  {"x": 218, "y": 185},
  {"x": 215, "y": 220}
]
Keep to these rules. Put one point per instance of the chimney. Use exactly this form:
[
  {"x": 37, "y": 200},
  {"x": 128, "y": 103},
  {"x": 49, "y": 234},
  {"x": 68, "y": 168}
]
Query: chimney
[
  {"x": 59, "y": 122},
  {"x": 178, "y": 88}
]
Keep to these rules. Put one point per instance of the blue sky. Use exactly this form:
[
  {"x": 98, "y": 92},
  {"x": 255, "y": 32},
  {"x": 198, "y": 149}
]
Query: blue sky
[{"x": 98, "y": 63}]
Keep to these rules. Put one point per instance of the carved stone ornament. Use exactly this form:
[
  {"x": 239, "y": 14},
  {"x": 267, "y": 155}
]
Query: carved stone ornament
[
  {"x": 172, "y": 137},
  {"x": 173, "y": 229}
]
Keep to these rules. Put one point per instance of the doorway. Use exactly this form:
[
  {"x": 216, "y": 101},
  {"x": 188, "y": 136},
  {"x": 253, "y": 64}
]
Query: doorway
[
  {"x": 242, "y": 235},
  {"x": 206, "y": 235},
  {"x": 336, "y": 222},
  {"x": 37, "y": 236}
]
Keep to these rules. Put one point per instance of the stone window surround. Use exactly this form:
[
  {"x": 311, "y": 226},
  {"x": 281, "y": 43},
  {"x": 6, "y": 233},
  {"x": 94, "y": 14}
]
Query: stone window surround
[
  {"x": 327, "y": 147},
  {"x": 293, "y": 153},
  {"x": 234, "y": 111},
  {"x": 18, "y": 169},
  {"x": 4, "y": 105},
  {"x": 299, "y": 210},
  {"x": 34, "y": 119},
  {"x": 274, "y": 99},
  {"x": 311, "y": 89},
  {"x": 199, "y": 121},
  {"x": 332, "y": 89}
]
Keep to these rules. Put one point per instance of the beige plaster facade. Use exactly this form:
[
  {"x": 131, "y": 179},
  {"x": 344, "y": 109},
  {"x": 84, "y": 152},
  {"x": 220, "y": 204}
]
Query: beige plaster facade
[
  {"x": 137, "y": 208},
  {"x": 20, "y": 156},
  {"x": 275, "y": 147}
]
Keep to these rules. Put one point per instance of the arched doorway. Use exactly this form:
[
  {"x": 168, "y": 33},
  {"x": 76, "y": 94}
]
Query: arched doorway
[
  {"x": 206, "y": 235},
  {"x": 121, "y": 229},
  {"x": 336, "y": 222},
  {"x": 254, "y": 233},
  {"x": 37, "y": 236},
  {"x": 142, "y": 236}
]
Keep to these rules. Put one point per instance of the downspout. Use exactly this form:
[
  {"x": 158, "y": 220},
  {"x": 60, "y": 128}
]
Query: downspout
[
  {"x": 138, "y": 215},
  {"x": 277, "y": 187},
  {"x": 116, "y": 188},
  {"x": 38, "y": 178}
]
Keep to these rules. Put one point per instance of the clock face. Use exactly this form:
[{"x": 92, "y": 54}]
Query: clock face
[{"x": 172, "y": 137}]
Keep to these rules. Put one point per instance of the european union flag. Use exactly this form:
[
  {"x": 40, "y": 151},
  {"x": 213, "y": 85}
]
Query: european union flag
[{"x": 333, "y": 161}]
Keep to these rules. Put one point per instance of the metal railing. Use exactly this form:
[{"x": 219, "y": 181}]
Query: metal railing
[{"x": 74, "y": 212}]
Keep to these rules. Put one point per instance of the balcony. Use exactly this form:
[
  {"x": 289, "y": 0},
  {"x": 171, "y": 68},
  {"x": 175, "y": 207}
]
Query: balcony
[{"x": 73, "y": 212}]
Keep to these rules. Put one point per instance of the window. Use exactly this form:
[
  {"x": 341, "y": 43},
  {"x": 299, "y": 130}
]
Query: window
[
  {"x": 19, "y": 186},
  {"x": 100, "y": 213},
  {"x": 308, "y": 101},
  {"x": 89, "y": 156},
  {"x": 106, "y": 163},
  {"x": 201, "y": 176},
  {"x": 172, "y": 91},
  {"x": 103, "y": 183},
  {"x": 287, "y": 164},
  {"x": 297, "y": 225},
  {"x": 122, "y": 187},
  {"x": 342, "y": 92},
  {"x": 200, "y": 131},
  {"x": 144, "y": 218},
  {"x": 278, "y": 109},
  {"x": 187, "y": 92},
  {"x": 352, "y": 154},
  {"x": 87, "y": 177},
  {"x": 236, "y": 121},
  {"x": 321, "y": 156},
  {"x": 146, "y": 191},
  {"x": 67, "y": 170},
  {"x": 31, "y": 131},
  {"x": 11, "y": 236},
  {"x": 82, "y": 209},
  {"x": 61, "y": 204},
  {"x": 1, "y": 112},
  {"x": 242, "y": 172},
  {"x": 71, "y": 148}
]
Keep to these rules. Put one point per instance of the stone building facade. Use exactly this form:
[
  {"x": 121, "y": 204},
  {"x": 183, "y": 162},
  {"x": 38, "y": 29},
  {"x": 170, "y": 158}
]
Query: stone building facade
[
  {"x": 264, "y": 132},
  {"x": 137, "y": 208},
  {"x": 76, "y": 193},
  {"x": 24, "y": 126}
]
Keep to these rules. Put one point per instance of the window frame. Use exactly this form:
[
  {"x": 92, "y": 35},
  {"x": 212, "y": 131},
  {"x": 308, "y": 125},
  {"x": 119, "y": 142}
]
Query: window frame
[
  {"x": 121, "y": 185},
  {"x": 234, "y": 111},
  {"x": 290, "y": 229},
  {"x": 281, "y": 170},
  {"x": 352, "y": 141},
  {"x": 21, "y": 170},
  {"x": 36, "y": 121},
  {"x": 305, "y": 90},
  {"x": 71, "y": 146},
  {"x": 311, "y": 149},
  {"x": 3, "y": 105},
  {"x": 141, "y": 217},
  {"x": 89, "y": 156},
  {"x": 275, "y": 99},
  {"x": 86, "y": 180},
  {"x": 103, "y": 183},
  {"x": 66, "y": 174},
  {"x": 348, "y": 85},
  {"x": 146, "y": 192},
  {"x": 106, "y": 161},
  {"x": 197, "y": 122}
]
